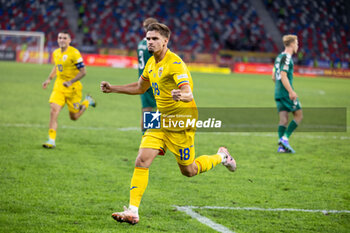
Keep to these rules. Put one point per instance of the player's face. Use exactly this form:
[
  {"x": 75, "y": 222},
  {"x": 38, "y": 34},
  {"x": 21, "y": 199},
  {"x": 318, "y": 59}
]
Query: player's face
[
  {"x": 155, "y": 41},
  {"x": 295, "y": 46},
  {"x": 63, "y": 40}
]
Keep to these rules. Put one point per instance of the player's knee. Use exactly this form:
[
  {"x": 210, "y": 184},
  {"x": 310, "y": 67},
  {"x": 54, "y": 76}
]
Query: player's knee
[
  {"x": 188, "y": 173},
  {"x": 73, "y": 117},
  {"x": 298, "y": 117},
  {"x": 301, "y": 116},
  {"x": 283, "y": 122},
  {"x": 54, "y": 112}
]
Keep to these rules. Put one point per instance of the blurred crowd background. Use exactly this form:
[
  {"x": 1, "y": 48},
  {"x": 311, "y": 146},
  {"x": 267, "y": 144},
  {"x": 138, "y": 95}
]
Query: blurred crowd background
[{"x": 198, "y": 27}]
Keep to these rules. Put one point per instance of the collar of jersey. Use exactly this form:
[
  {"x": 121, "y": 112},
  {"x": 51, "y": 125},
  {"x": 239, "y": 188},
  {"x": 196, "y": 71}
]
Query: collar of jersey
[{"x": 164, "y": 58}]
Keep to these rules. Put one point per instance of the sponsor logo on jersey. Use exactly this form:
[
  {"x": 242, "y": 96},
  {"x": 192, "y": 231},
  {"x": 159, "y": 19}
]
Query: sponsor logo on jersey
[{"x": 182, "y": 76}]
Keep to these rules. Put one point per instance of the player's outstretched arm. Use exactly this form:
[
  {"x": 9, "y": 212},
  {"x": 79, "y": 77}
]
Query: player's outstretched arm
[
  {"x": 51, "y": 76},
  {"x": 286, "y": 84},
  {"x": 183, "y": 94},
  {"x": 136, "y": 88}
]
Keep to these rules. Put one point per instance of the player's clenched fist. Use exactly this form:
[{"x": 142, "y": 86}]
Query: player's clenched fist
[
  {"x": 176, "y": 94},
  {"x": 105, "y": 87},
  {"x": 46, "y": 83}
]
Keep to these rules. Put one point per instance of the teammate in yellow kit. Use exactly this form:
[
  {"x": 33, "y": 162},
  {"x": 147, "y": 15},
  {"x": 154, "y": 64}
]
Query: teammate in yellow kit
[
  {"x": 172, "y": 87},
  {"x": 69, "y": 69}
]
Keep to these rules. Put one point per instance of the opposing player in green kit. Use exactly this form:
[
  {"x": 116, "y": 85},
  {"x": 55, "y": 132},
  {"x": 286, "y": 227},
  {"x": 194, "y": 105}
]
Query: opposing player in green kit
[
  {"x": 286, "y": 98},
  {"x": 147, "y": 99}
]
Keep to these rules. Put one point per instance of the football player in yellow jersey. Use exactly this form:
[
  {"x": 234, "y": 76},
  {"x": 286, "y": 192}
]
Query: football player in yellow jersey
[
  {"x": 172, "y": 87},
  {"x": 69, "y": 69}
]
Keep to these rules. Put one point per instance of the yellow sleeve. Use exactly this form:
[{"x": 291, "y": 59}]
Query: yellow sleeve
[
  {"x": 180, "y": 73},
  {"x": 77, "y": 59}
]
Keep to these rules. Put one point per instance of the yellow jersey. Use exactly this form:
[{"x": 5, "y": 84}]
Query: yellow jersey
[
  {"x": 168, "y": 74},
  {"x": 67, "y": 65}
]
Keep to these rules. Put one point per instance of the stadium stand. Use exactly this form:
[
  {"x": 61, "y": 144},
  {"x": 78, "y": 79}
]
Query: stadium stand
[
  {"x": 34, "y": 15},
  {"x": 198, "y": 26},
  {"x": 322, "y": 28}
]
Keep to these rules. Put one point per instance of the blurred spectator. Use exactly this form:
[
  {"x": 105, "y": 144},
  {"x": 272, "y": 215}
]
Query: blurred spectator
[
  {"x": 197, "y": 26},
  {"x": 34, "y": 15},
  {"x": 322, "y": 28}
]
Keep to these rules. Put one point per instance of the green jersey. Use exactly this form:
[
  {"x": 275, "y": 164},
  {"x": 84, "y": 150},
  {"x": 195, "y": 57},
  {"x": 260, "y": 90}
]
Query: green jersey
[
  {"x": 143, "y": 55},
  {"x": 147, "y": 98},
  {"x": 283, "y": 62}
]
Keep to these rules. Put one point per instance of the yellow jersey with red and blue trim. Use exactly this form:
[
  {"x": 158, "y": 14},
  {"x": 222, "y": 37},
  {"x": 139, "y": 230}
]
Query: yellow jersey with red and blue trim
[
  {"x": 67, "y": 65},
  {"x": 168, "y": 74}
]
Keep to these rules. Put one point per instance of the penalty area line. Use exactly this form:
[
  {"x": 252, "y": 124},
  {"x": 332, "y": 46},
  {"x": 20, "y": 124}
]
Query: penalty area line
[
  {"x": 270, "y": 209},
  {"x": 204, "y": 220},
  {"x": 21, "y": 125},
  {"x": 220, "y": 228}
]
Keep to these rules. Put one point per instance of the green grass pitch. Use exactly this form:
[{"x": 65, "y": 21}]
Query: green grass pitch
[{"x": 76, "y": 187}]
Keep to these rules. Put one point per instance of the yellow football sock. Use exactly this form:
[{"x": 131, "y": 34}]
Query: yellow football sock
[
  {"x": 86, "y": 103},
  {"x": 52, "y": 134},
  {"x": 207, "y": 162},
  {"x": 138, "y": 185}
]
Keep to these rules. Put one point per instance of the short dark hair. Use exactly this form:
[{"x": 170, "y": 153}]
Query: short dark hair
[
  {"x": 161, "y": 28},
  {"x": 149, "y": 21},
  {"x": 65, "y": 32}
]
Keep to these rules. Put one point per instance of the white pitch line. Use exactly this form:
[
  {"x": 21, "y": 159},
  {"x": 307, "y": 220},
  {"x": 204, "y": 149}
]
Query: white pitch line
[
  {"x": 270, "y": 209},
  {"x": 20, "y": 125},
  {"x": 243, "y": 134},
  {"x": 262, "y": 134},
  {"x": 204, "y": 220},
  {"x": 220, "y": 228}
]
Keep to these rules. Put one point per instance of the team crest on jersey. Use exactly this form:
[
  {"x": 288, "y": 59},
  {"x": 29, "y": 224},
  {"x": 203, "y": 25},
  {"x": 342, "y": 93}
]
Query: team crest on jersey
[
  {"x": 64, "y": 58},
  {"x": 160, "y": 71}
]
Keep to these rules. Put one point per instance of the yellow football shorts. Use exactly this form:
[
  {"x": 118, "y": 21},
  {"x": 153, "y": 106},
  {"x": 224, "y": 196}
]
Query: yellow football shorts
[
  {"x": 71, "y": 98},
  {"x": 180, "y": 143}
]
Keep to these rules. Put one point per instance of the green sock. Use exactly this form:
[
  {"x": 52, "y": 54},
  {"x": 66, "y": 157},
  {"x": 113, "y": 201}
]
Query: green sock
[
  {"x": 291, "y": 127},
  {"x": 281, "y": 130}
]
